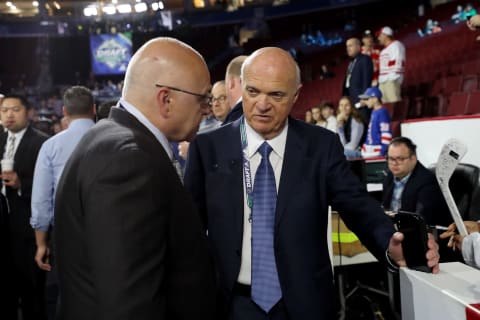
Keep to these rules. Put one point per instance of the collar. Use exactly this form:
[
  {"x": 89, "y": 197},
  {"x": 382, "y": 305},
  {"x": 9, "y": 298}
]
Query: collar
[
  {"x": 80, "y": 122},
  {"x": 255, "y": 140},
  {"x": 403, "y": 180},
  {"x": 236, "y": 103},
  {"x": 18, "y": 135},
  {"x": 154, "y": 130}
]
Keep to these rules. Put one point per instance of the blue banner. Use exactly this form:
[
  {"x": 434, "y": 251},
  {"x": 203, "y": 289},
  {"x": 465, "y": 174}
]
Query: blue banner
[{"x": 110, "y": 53}]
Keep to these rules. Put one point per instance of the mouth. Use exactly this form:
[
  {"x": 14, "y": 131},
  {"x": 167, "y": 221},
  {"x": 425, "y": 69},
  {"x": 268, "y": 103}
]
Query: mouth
[{"x": 262, "y": 117}]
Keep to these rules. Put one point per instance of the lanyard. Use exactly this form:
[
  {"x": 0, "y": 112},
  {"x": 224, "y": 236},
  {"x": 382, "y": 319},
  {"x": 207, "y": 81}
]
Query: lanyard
[{"x": 247, "y": 173}]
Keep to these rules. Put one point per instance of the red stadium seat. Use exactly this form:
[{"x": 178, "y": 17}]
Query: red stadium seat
[
  {"x": 473, "y": 104},
  {"x": 470, "y": 83},
  {"x": 457, "y": 104}
]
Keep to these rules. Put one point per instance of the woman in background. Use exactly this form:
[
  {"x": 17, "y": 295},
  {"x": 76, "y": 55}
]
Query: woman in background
[
  {"x": 350, "y": 127},
  {"x": 309, "y": 117}
]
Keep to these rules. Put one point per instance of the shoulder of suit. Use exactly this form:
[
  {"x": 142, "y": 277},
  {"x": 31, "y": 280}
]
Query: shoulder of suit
[
  {"x": 39, "y": 134},
  {"x": 421, "y": 171}
]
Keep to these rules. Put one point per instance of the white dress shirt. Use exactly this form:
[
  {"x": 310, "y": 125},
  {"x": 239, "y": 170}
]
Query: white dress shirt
[
  {"x": 276, "y": 160},
  {"x": 147, "y": 123},
  {"x": 18, "y": 138}
]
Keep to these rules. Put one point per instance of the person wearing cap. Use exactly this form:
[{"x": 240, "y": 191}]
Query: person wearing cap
[
  {"x": 379, "y": 133},
  {"x": 369, "y": 49},
  {"x": 392, "y": 66},
  {"x": 359, "y": 72}
]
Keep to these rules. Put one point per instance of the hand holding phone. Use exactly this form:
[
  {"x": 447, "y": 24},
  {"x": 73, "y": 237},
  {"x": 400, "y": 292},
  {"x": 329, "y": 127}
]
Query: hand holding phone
[{"x": 415, "y": 242}]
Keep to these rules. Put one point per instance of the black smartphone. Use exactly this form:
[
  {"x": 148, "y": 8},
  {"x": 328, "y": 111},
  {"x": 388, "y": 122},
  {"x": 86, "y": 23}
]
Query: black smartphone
[{"x": 415, "y": 242}]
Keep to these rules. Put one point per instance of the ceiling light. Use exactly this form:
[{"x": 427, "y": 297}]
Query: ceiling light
[
  {"x": 90, "y": 11},
  {"x": 110, "y": 9},
  {"x": 114, "y": 1},
  {"x": 57, "y": 5},
  {"x": 35, "y": 3},
  {"x": 8, "y": 4},
  {"x": 124, "y": 8},
  {"x": 160, "y": 5},
  {"x": 154, "y": 6},
  {"x": 141, "y": 7}
]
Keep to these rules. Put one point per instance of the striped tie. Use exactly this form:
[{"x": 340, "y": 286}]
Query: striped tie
[
  {"x": 11, "y": 147},
  {"x": 266, "y": 289}
]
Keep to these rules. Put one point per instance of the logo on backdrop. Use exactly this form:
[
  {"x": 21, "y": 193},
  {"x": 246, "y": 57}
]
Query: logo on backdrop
[{"x": 110, "y": 53}]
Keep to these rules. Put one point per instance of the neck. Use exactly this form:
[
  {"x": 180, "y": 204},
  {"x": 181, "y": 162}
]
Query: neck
[{"x": 80, "y": 116}]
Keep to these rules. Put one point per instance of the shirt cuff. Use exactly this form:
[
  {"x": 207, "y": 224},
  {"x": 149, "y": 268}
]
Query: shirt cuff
[{"x": 391, "y": 265}]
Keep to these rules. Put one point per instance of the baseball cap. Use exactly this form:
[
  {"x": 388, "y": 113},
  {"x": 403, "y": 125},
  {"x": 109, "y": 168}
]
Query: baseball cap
[
  {"x": 370, "y": 93},
  {"x": 386, "y": 31},
  {"x": 367, "y": 33}
]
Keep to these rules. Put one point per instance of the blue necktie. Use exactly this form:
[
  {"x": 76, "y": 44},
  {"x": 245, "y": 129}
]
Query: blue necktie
[{"x": 266, "y": 289}]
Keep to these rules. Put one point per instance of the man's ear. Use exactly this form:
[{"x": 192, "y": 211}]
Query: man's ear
[
  {"x": 64, "y": 111},
  {"x": 231, "y": 82},
  {"x": 295, "y": 97},
  {"x": 164, "y": 102}
]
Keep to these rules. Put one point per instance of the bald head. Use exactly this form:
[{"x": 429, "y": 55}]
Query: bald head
[
  {"x": 164, "y": 61},
  {"x": 165, "y": 79},
  {"x": 271, "y": 84},
  {"x": 353, "y": 47},
  {"x": 274, "y": 60}
]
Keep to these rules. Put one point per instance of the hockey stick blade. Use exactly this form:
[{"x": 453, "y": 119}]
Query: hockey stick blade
[{"x": 452, "y": 152}]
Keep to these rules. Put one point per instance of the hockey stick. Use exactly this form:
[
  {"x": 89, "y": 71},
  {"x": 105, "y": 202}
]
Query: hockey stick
[{"x": 452, "y": 152}]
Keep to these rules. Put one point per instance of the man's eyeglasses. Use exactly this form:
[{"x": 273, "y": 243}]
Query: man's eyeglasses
[
  {"x": 205, "y": 99},
  {"x": 397, "y": 160},
  {"x": 221, "y": 98}
]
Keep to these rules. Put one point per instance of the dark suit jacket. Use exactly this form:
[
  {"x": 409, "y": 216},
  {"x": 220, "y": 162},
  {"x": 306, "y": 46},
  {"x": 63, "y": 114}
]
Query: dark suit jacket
[
  {"x": 361, "y": 77},
  {"x": 24, "y": 165},
  {"x": 421, "y": 195},
  {"x": 234, "y": 114},
  {"x": 129, "y": 240},
  {"x": 315, "y": 174}
]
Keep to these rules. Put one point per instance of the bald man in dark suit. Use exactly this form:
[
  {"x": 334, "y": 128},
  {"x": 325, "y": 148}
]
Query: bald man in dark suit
[
  {"x": 263, "y": 185},
  {"x": 129, "y": 240}
]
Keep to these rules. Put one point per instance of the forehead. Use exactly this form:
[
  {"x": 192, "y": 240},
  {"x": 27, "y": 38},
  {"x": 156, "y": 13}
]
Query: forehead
[
  {"x": 400, "y": 149},
  {"x": 269, "y": 77},
  {"x": 218, "y": 89},
  {"x": 11, "y": 102},
  {"x": 350, "y": 43}
]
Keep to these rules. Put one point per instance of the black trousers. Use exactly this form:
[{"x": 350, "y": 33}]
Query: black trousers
[{"x": 28, "y": 280}]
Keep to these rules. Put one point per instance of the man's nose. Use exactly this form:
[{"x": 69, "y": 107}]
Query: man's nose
[{"x": 262, "y": 102}]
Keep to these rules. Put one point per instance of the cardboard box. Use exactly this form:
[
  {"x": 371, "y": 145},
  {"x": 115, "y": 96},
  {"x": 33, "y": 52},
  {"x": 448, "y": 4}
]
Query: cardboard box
[{"x": 345, "y": 242}]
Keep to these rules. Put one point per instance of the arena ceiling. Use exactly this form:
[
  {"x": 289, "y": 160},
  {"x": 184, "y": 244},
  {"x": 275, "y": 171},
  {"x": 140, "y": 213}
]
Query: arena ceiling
[{"x": 61, "y": 8}]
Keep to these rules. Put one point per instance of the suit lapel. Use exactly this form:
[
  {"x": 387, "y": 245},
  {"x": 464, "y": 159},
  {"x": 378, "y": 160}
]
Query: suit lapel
[
  {"x": 295, "y": 158},
  {"x": 23, "y": 149},
  {"x": 387, "y": 194},
  {"x": 235, "y": 165}
]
